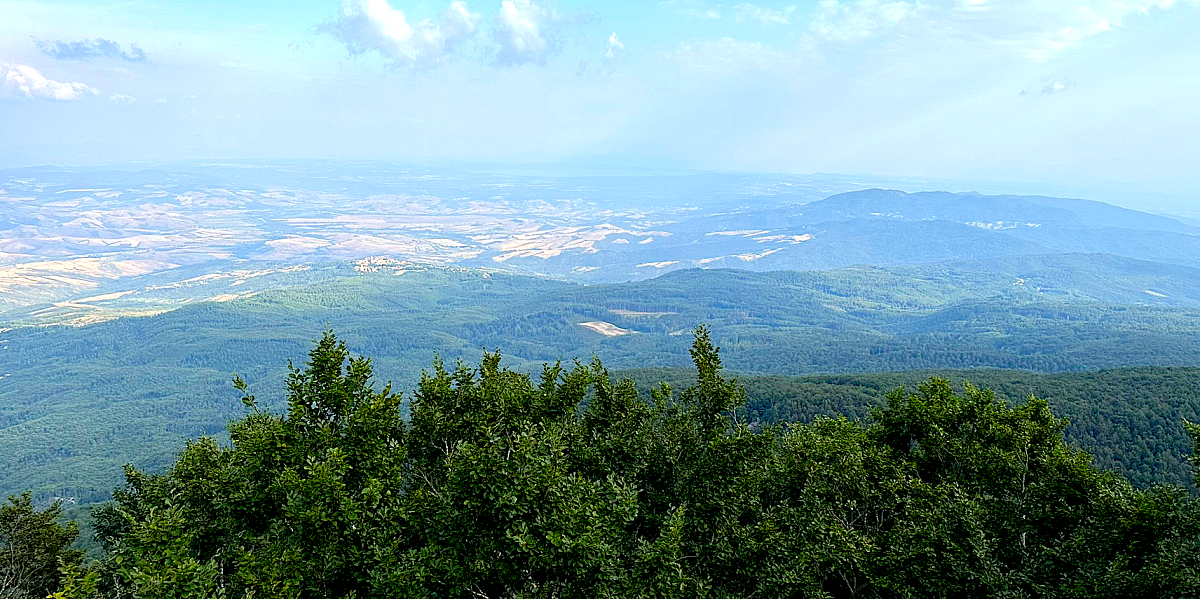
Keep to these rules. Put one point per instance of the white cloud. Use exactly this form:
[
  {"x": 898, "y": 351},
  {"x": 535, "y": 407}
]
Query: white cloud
[
  {"x": 1037, "y": 29},
  {"x": 88, "y": 49},
  {"x": 122, "y": 99},
  {"x": 24, "y": 81},
  {"x": 766, "y": 16},
  {"x": 860, "y": 19},
  {"x": 1069, "y": 23},
  {"x": 374, "y": 26},
  {"x": 520, "y": 33},
  {"x": 694, "y": 9},
  {"x": 615, "y": 47}
]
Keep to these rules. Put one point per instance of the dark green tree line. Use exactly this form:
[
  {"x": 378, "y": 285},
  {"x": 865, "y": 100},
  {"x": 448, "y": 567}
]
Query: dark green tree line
[{"x": 573, "y": 485}]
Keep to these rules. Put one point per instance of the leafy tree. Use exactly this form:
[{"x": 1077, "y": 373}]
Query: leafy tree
[
  {"x": 571, "y": 485},
  {"x": 33, "y": 548}
]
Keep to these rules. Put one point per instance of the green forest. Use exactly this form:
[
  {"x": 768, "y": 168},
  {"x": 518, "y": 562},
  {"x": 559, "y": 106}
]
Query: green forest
[
  {"x": 147, "y": 384},
  {"x": 1128, "y": 419},
  {"x": 576, "y": 483}
]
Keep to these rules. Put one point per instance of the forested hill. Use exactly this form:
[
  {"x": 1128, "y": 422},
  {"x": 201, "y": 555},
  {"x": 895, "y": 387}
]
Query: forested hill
[
  {"x": 76, "y": 403},
  {"x": 1129, "y": 419}
]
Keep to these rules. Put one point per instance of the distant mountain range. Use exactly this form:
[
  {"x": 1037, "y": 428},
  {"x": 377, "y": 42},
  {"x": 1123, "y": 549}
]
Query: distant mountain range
[
  {"x": 71, "y": 235},
  {"x": 878, "y": 226},
  {"x": 999, "y": 211}
]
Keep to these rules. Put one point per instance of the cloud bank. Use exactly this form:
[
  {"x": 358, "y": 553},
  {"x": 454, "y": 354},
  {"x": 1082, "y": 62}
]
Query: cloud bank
[
  {"x": 766, "y": 16},
  {"x": 374, "y": 26},
  {"x": 524, "y": 32},
  {"x": 88, "y": 49},
  {"x": 1036, "y": 29},
  {"x": 520, "y": 33},
  {"x": 21, "y": 81},
  {"x": 859, "y": 20}
]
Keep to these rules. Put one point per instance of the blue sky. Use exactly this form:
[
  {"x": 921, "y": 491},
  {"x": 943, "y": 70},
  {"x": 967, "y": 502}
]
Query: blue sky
[{"x": 1095, "y": 91}]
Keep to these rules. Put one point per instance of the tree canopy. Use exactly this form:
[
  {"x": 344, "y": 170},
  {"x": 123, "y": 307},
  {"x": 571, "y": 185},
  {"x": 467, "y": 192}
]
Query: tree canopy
[
  {"x": 34, "y": 548},
  {"x": 568, "y": 485}
]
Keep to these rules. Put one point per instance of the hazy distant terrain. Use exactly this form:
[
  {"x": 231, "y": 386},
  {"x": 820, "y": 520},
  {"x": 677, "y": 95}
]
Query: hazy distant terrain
[
  {"x": 173, "y": 279},
  {"x": 65, "y": 232},
  {"x": 74, "y": 236}
]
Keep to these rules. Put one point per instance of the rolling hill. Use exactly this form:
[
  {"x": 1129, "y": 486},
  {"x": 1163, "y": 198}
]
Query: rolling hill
[
  {"x": 76, "y": 403},
  {"x": 71, "y": 234}
]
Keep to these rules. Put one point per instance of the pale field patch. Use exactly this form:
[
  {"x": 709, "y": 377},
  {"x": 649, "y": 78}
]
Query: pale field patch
[
  {"x": 607, "y": 329},
  {"x": 749, "y": 257},
  {"x": 549, "y": 243},
  {"x": 740, "y": 232},
  {"x": 792, "y": 239},
  {"x": 105, "y": 297},
  {"x": 49, "y": 277},
  {"x": 146, "y": 216}
]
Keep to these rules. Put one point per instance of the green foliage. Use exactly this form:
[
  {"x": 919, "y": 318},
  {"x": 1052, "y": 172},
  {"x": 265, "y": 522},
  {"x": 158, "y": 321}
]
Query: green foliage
[
  {"x": 146, "y": 385},
  {"x": 154, "y": 557},
  {"x": 34, "y": 549},
  {"x": 76, "y": 583},
  {"x": 1128, "y": 419},
  {"x": 1193, "y": 430},
  {"x": 571, "y": 485}
]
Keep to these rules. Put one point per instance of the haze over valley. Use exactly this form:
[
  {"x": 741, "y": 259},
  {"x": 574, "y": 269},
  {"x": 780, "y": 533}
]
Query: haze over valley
[{"x": 78, "y": 242}]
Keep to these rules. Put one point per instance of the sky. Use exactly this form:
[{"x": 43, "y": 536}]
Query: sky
[{"x": 1069, "y": 92}]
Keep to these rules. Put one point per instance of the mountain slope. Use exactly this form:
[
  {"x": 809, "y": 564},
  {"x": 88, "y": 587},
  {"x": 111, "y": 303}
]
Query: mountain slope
[
  {"x": 78, "y": 402},
  {"x": 998, "y": 210}
]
